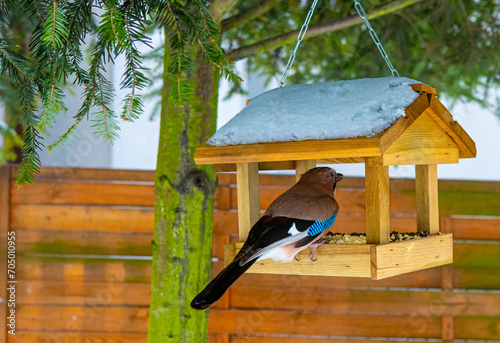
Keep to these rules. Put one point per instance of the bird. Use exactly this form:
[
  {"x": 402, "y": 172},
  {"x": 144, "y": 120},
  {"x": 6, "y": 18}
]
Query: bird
[{"x": 294, "y": 221}]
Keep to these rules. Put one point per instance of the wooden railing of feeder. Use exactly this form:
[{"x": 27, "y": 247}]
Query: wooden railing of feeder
[{"x": 426, "y": 136}]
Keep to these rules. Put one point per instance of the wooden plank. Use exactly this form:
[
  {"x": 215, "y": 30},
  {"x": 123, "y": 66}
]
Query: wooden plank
[
  {"x": 80, "y": 318},
  {"x": 78, "y": 337},
  {"x": 420, "y": 87},
  {"x": 89, "y": 293},
  {"x": 279, "y": 165},
  {"x": 91, "y": 174},
  {"x": 4, "y": 229},
  {"x": 477, "y": 328},
  {"x": 377, "y": 204},
  {"x": 426, "y": 184},
  {"x": 466, "y": 139},
  {"x": 304, "y": 323},
  {"x": 36, "y": 241},
  {"x": 365, "y": 301},
  {"x": 111, "y": 194},
  {"x": 286, "y": 151},
  {"x": 424, "y": 142},
  {"x": 453, "y": 129},
  {"x": 332, "y": 260},
  {"x": 302, "y": 166},
  {"x": 302, "y": 339},
  {"x": 469, "y": 227},
  {"x": 418, "y": 107},
  {"x": 394, "y": 132},
  {"x": 95, "y": 218},
  {"x": 247, "y": 175},
  {"x": 404, "y": 257}
]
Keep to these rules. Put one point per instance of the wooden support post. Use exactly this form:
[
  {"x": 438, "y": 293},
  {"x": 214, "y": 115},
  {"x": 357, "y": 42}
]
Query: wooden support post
[
  {"x": 4, "y": 229},
  {"x": 426, "y": 186},
  {"x": 247, "y": 182},
  {"x": 302, "y": 166},
  {"x": 377, "y": 204}
]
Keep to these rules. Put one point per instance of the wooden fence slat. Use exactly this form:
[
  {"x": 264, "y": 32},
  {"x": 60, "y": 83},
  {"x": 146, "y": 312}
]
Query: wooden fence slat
[
  {"x": 96, "y": 218},
  {"x": 83, "y": 292},
  {"x": 78, "y": 318},
  {"x": 4, "y": 229},
  {"x": 109, "y": 194},
  {"x": 84, "y": 242},
  {"x": 304, "y": 323},
  {"x": 77, "y": 337},
  {"x": 225, "y": 224},
  {"x": 384, "y": 302},
  {"x": 63, "y": 174}
]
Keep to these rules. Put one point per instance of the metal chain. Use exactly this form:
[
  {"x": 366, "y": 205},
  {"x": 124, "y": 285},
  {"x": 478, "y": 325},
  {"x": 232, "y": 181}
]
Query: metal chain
[
  {"x": 375, "y": 38},
  {"x": 300, "y": 37}
]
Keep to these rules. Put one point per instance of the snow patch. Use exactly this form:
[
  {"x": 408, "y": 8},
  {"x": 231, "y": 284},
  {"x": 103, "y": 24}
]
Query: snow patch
[{"x": 330, "y": 110}]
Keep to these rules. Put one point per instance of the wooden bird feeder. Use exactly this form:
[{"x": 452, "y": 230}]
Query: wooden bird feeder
[{"x": 425, "y": 136}]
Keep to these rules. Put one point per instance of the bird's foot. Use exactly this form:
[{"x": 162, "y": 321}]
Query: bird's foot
[{"x": 316, "y": 245}]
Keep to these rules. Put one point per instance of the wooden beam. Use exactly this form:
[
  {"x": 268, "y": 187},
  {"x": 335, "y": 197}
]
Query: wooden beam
[
  {"x": 4, "y": 229},
  {"x": 420, "y": 87},
  {"x": 377, "y": 204},
  {"x": 247, "y": 182},
  {"x": 423, "y": 142},
  {"x": 444, "y": 118},
  {"x": 302, "y": 166},
  {"x": 332, "y": 260},
  {"x": 426, "y": 187},
  {"x": 415, "y": 254},
  {"x": 359, "y": 260},
  {"x": 286, "y": 151}
]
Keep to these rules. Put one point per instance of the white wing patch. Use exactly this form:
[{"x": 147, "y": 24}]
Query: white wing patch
[{"x": 293, "y": 230}]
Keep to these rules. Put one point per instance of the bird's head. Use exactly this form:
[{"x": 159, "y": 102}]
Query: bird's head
[{"x": 324, "y": 176}]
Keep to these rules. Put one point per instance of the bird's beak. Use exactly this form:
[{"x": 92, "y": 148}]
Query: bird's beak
[{"x": 339, "y": 177}]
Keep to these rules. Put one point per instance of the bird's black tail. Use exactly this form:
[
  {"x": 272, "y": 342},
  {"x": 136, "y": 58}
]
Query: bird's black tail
[{"x": 219, "y": 285}]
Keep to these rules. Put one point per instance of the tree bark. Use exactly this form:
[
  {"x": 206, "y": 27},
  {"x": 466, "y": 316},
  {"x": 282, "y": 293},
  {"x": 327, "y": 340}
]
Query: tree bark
[{"x": 184, "y": 196}]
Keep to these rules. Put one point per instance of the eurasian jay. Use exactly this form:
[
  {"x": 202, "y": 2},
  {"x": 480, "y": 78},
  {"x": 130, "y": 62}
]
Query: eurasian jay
[{"x": 295, "y": 221}]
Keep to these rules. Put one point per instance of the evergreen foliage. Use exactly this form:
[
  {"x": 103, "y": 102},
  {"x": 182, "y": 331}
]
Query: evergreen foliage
[{"x": 54, "y": 57}]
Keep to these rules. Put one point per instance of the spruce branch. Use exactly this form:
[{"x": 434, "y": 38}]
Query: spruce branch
[
  {"x": 68, "y": 136},
  {"x": 55, "y": 31}
]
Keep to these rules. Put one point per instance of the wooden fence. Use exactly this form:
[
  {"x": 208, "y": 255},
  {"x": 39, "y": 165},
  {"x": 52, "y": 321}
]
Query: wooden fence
[{"x": 83, "y": 240}]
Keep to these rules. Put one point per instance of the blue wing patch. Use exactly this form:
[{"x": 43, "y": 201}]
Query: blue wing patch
[{"x": 319, "y": 227}]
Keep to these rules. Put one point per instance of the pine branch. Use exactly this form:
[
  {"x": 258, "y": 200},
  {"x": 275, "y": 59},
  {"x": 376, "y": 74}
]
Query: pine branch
[{"x": 335, "y": 25}]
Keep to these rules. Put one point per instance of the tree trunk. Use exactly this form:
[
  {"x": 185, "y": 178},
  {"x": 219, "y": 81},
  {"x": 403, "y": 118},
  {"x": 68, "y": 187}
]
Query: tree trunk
[{"x": 184, "y": 196}]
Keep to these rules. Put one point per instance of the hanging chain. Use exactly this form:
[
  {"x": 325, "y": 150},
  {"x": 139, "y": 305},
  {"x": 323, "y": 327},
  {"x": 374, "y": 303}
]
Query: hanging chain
[
  {"x": 300, "y": 37},
  {"x": 375, "y": 38},
  {"x": 305, "y": 26}
]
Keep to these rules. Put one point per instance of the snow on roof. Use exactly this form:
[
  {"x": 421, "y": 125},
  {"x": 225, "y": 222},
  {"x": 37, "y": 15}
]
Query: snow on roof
[{"x": 329, "y": 110}]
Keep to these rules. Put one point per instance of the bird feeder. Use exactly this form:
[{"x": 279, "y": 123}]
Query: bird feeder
[{"x": 424, "y": 135}]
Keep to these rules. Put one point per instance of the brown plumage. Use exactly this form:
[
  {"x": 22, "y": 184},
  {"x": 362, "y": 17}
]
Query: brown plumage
[
  {"x": 312, "y": 198},
  {"x": 295, "y": 221}
]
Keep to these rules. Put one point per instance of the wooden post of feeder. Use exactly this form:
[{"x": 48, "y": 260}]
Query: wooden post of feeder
[
  {"x": 302, "y": 166},
  {"x": 377, "y": 203},
  {"x": 426, "y": 186},
  {"x": 247, "y": 183}
]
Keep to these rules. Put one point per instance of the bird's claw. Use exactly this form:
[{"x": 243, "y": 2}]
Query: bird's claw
[
  {"x": 312, "y": 259},
  {"x": 295, "y": 258}
]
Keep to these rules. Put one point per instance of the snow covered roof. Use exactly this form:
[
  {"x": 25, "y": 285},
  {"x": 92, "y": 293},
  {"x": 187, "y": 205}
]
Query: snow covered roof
[{"x": 330, "y": 110}]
